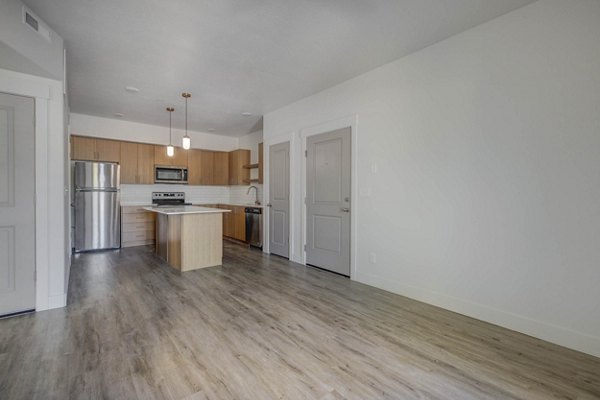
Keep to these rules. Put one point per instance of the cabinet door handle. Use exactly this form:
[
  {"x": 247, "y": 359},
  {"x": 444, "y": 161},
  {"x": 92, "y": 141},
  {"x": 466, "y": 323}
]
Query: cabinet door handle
[{"x": 344, "y": 209}]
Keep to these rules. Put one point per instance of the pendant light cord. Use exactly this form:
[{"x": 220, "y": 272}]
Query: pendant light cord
[{"x": 186, "y": 99}]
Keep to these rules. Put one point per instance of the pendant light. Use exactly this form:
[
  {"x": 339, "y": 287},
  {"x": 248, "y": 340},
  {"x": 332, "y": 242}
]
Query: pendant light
[
  {"x": 170, "y": 148},
  {"x": 187, "y": 141}
]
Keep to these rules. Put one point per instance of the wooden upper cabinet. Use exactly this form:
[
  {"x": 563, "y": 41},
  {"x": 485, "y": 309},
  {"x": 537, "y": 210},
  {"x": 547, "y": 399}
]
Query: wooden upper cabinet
[
  {"x": 145, "y": 163},
  {"x": 238, "y": 175},
  {"x": 260, "y": 163},
  {"x": 129, "y": 162},
  {"x": 137, "y": 163},
  {"x": 221, "y": 168},
  {"x": 160, "y": 155},
  {"x": 195, "y": 167},
  {"x": 85, "y": 148},
  {"x": 137, "y": 160},
  {"x": 179, "y": 159},
  {"x": 207, "y": 167},
  {"x": 108, "y": 150}
]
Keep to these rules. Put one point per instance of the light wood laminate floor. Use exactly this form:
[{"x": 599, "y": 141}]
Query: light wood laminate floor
[{"x": 260, "y": 327}]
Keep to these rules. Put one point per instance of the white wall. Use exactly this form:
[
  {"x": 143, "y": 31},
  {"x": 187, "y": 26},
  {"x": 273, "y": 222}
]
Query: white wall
[
  {"x": 109, "y": 128},
  {"x": 477, "y": 171},
  {"x": 32, "y": 54}
]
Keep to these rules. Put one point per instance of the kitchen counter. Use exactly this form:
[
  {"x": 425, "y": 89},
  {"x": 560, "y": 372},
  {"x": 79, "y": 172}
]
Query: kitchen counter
[
  {"x": 179, "y": 210},
  {"x": 231, "y": 204},
  {"x": 189, "y": 237},
  {"x": 135, "y": 204}
]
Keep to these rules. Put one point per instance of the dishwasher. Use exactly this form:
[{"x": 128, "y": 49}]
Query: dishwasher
[{"x": 254, "y": 224}]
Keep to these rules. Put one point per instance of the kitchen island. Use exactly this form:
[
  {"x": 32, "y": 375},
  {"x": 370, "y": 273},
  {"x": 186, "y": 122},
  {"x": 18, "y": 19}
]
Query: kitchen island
[{"x": 189, "y": 237}]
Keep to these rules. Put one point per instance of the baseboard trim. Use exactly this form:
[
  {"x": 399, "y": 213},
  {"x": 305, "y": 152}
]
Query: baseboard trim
[
  {"x": 551, "y": 333},
  {"x": 57, "y": 301}
]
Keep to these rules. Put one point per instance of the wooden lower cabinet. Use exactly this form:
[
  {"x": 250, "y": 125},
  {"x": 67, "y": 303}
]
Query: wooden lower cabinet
[
  {"x": 227, "y": 221},
  {"x": 239, "y": 223},
  {"x": 234, "y": 222},
  {"x": 137, "y": 226}
]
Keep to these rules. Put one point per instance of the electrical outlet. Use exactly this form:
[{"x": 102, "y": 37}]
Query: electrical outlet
[
  {"x": 373, "y": 258},
  {"x": 365, "y": 192}
]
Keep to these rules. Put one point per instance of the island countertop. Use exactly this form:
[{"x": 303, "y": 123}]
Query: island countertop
[{"x": 179, "y": 210}]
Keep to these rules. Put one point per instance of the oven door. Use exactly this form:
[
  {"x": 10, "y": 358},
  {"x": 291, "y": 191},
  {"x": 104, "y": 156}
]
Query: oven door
[{"x": 166, "y": 174}]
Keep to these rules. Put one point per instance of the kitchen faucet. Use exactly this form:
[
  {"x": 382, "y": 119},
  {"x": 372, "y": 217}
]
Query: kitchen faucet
[{"x": 255, "y": 194}]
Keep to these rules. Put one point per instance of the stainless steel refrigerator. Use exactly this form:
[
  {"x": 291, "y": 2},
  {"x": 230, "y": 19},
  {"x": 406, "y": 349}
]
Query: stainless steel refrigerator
[{"x": 96, "y": 202}]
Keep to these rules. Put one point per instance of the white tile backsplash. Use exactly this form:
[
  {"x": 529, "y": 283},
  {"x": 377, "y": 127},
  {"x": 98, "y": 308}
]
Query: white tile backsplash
[
  {"x": 142, "y": 194},
  {"x": 237, "y": 194},
  {"x": 193, "y": 194}
]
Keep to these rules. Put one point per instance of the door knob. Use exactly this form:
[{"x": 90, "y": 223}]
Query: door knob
[{"x": 344, "y": 209}]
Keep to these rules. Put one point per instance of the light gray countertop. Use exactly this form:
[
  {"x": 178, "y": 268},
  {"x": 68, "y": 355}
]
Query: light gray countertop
[
  {"x": 232, "y": 204},
  {"x": 178, "y": 210},
  {"x": 194, "y": 203}
]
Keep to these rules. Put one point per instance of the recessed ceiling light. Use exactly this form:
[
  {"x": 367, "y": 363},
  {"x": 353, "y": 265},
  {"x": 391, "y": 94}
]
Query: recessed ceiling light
[
  {"x": 132, "y": 89},
  {"x": 119, "y": 115},
  {"x": 246, "y": 114}
]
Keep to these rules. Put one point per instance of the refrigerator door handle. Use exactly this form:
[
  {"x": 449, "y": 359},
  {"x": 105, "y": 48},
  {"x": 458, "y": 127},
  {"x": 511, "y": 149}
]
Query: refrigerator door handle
[{"x": 96, "y": 190}]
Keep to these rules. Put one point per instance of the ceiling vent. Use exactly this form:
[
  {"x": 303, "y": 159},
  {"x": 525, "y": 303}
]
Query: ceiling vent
[{"x": 33, "y": 22}]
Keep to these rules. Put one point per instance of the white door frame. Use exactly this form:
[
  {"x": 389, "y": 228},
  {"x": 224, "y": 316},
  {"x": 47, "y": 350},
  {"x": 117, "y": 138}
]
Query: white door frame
[
  {"x": 47, "y": 93},
  {"x": 286, "y": 137},
  {"x": 352, "y": 123}
]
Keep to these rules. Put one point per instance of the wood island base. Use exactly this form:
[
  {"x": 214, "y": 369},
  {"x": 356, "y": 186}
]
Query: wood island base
[{"x": 190, "y": 241}]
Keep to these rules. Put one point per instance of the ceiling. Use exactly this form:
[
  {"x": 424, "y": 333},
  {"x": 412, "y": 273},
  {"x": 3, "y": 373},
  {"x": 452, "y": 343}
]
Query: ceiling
[{"x": 237, "y": 56}]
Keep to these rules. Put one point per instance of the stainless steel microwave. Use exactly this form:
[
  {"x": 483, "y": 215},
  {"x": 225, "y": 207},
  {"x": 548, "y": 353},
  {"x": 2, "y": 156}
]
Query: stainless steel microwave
[{"x": 170, "y": 174}]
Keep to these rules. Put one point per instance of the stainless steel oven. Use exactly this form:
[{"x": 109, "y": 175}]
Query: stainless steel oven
[{"x": 170, "y": 174}]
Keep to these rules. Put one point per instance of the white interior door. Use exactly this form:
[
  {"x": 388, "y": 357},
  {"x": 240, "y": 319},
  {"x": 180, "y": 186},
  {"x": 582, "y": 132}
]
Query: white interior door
[
  {"x": 279, "y": 199},
  {"x": 328, "y": 178},
  {"x": 17, "y": 221}
]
